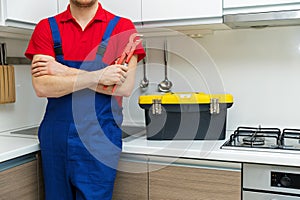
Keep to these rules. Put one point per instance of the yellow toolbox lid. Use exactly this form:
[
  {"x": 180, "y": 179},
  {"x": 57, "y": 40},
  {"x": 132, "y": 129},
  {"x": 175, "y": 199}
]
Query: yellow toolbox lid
[{"x": 185, "y": 98}]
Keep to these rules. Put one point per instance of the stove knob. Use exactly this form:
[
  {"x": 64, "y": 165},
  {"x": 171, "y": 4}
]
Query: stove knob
[{"x": 285, "y": 181}]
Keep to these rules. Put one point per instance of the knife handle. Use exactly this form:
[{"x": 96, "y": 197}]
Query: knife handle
[
  {"x": 4, "y": 54},
  {"x": 1, "y": 55}
]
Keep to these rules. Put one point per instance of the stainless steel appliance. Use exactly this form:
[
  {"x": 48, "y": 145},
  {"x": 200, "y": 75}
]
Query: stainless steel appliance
[
  {"x": 262, "y": 19},
  {"x": 269, "y": 182},
  {"x": 264, "y": 139}
]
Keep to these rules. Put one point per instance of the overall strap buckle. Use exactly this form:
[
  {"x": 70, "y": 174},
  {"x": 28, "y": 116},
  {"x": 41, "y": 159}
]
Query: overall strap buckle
[
  {"x": 56, "y": 36},
  {"x": 104, "y": 42}
]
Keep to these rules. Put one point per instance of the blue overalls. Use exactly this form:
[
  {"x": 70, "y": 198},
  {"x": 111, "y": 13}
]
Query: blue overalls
[{"x": 80, "y": 135}]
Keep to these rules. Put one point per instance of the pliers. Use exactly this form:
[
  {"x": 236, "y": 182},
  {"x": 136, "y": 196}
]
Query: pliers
[{"x": 127, "y": 54}]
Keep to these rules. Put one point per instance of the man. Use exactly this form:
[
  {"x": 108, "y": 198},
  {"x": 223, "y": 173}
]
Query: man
[{"x": 73, "y": 56}]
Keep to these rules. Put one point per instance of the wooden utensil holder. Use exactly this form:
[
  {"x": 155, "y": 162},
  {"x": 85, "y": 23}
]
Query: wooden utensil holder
[{"x": 7, "y": 84}]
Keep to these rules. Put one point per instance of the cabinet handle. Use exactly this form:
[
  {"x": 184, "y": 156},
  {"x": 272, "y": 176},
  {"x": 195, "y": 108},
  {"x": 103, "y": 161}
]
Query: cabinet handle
[
  {"x": 204, "y": 164},
  {"x": 16, "y": 162}
]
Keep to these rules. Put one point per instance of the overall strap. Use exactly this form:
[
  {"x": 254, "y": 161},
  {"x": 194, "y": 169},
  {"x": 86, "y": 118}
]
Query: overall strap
[
  {"x": 56, "y": 36},
  {"x": 109, "y": 29}
]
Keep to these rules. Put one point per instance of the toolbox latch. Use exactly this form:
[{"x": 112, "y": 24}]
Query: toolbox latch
[
  {"x": 156, "y": 107},
  {"x": 214, "y": 106}
]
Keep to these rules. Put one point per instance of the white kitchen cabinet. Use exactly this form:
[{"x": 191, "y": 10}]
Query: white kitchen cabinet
[
  {"x": 130, "y": 8},
  {"x": 62, "y": 5},
  {"x": 25, "y": 14},
  {"x": 181, "y": 12},
  {"x": 238, "y": 6},
  {"x": 156, "y": 13}
]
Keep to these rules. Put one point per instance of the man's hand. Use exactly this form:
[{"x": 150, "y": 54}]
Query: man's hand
[
  {"x": 47, "y": 65},
  {"x": 113, "y": 75}
]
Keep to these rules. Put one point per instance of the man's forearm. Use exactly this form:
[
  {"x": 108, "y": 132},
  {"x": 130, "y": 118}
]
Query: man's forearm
[
  {"x": 57, "y": 86},
  {"x": 52, "y": 79}
]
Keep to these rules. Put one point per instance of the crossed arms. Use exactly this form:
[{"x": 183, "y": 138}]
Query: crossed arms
[{"x": 53, "y": 79}]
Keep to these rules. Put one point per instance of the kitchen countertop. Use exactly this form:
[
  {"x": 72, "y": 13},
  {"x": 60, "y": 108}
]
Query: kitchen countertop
[
  {"x": 12, "y": 146},
  {"x": 208, "y": 150}
]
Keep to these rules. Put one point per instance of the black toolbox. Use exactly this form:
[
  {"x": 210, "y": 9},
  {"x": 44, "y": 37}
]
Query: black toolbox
[{"x": 186, "y": 116}]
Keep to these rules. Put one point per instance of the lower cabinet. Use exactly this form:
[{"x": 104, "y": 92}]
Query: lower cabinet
[
  {"x": 177, "y": 179},
  {"x": 132, "y": 179},
  {"x": 138, "y": 178},
  {"x": 19, "y": 179},
  {"x": 174, "y": 182}
]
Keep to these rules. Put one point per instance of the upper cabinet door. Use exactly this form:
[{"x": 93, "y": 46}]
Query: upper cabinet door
[
  {"x": 238, "y": 6},
  {"x": 165, "y": 10},
  {"x": 30, "y": 12},
  {"x": 62, "y": 5},
  {"x": 130, "y": 9}
]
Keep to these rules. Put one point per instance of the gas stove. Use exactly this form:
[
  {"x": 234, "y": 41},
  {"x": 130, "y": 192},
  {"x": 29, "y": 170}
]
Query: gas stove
[{"x": 264, "y": 139}]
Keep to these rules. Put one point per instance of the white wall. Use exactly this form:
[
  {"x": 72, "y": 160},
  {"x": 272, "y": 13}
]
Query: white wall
[
  {"x": 28, "y": 109},
  {"x": 259, "y": 67}
]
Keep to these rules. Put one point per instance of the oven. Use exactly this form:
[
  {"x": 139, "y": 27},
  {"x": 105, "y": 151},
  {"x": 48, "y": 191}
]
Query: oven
[
  {"x": 262, "y": 181},
  {"x": 269, "y": 182}
]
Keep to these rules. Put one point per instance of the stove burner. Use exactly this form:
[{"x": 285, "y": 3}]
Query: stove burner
[
  {"x": 254, "y": 140},
  {"x": 288, "y": 135},
  {"x": 263, "y": 139}
]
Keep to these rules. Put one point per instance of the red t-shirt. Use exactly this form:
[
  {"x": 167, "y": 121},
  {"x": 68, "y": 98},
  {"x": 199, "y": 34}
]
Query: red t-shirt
[{"x": 81, "y": 45}]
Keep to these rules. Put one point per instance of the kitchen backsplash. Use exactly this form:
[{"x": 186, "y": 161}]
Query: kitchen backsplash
[{"x": 259, "y": 67}]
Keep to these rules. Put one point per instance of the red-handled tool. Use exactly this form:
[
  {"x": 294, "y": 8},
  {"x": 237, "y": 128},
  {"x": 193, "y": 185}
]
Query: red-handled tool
[
  {"x": 127, "y": 54},
  {"x": 134, "y": 40}
]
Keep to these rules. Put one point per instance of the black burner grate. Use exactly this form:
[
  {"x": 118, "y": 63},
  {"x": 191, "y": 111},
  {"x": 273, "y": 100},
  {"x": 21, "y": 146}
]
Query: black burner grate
[
  {"x": 268, "y": 138},
  {"x": 253, "y": 136}
]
